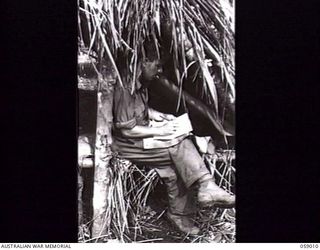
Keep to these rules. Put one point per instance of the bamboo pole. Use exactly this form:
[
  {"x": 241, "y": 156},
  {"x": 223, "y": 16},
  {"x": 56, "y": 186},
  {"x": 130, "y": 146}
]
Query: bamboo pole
[{"x": 103, "y": 155}]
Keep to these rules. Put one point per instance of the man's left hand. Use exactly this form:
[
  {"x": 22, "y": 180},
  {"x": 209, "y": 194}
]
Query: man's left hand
[{"x": 160, "y": 117}]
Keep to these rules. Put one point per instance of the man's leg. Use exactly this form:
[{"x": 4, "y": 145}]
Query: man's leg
[
  {"x": 188, "y": 162},
  {"x": 181, "y": 200},
  {"x": 192, "y": 169}
]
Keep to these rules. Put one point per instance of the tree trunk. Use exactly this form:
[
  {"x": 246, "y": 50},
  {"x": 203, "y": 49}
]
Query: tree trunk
[{"x": 103, "y": 155}]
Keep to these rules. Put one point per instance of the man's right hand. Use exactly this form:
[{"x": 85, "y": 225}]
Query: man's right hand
[
  {"x": 168, "y": 128},
  {"x": 160, "y": 117}
]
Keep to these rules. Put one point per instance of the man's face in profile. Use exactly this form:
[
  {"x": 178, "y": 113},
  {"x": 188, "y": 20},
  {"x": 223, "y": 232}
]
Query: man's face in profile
[{"x": 151, "y": 69}]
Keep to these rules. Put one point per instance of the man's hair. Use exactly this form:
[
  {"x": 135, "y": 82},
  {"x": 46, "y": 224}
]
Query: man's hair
[{"x": 150, "y": 51}]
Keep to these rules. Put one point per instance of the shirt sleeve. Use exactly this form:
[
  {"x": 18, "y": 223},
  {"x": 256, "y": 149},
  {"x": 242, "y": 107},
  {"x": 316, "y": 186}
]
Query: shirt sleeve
[{"x": 123, "y": 109}]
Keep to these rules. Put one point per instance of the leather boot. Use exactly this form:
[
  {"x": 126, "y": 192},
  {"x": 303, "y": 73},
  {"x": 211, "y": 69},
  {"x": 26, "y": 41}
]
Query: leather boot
[
  {"x": 184, "y": 223},
  {"x": 210, "y": 194},
  {"x": 181, "y": 202},
  {"x": 181, "y": 208}
]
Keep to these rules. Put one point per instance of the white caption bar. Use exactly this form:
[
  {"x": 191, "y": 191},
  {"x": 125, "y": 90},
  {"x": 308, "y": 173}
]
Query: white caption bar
[{"x": 160, "y": 246}]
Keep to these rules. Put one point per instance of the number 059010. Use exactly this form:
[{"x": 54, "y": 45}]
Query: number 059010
[{"x": 309, "y": 245}]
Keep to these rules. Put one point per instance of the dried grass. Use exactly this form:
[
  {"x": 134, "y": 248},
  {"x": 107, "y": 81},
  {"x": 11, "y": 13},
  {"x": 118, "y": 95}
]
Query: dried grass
[
  {"x": 123, "y": 27},
  {"x": 129, "y": 217}
]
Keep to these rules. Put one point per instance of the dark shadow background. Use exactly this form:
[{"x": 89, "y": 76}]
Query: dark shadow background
[
  {"x": 277, "y": 121},
  {"x": 277, "y": 60}
]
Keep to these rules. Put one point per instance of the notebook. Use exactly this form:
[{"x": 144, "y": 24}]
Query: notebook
[{"x": 183, "y": 129}]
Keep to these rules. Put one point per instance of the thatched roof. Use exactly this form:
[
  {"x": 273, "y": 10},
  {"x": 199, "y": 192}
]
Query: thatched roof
[{"x": 191, "y": 32}]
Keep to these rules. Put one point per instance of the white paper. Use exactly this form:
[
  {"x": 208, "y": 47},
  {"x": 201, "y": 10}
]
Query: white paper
[{"x": 184, "y": 127}]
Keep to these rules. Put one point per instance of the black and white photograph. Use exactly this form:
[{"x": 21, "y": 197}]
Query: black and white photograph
[
  {"x": 159, "y": 121},
  {"x": 156, "y": 129}
]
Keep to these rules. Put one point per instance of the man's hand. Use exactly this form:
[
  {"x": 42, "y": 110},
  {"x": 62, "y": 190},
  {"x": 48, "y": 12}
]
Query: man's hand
[
  {"x": 168, "y": 128},
  {"x": 160, "y": 117},
  {"x": 168, "y": 117}
]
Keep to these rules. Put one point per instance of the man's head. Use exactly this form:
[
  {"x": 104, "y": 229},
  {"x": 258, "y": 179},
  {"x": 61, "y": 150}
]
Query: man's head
[
  {"x": 151, "y": 63},
  {"x": 151, "y": 69}
]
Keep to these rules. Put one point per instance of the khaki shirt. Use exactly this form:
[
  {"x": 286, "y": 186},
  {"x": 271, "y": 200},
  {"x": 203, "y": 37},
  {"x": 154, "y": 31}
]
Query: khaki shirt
[{"x": 129, "y": 110}]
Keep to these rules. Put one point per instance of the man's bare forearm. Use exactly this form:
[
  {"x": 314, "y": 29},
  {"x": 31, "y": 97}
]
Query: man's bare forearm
[
  {"x": 140, "y": 132},
  {"x": 159, "y": 116},
  {"x": 145, "y": 131}
]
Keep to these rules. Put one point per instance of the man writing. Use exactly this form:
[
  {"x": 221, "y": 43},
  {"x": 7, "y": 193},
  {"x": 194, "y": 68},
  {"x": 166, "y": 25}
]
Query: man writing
[{"x": 177, "y": 160}]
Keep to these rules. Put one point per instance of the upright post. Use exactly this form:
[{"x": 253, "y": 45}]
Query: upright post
[{"x": 103, "y": 155}]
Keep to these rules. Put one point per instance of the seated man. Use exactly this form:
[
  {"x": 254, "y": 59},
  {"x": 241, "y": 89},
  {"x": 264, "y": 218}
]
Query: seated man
[{"x": 177, "y": 162}]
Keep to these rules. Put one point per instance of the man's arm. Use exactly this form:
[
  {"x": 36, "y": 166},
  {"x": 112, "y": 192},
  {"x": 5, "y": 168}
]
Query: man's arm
[
  {"x": 145, "y": 132},
  {"x": 158, "y": 116}
]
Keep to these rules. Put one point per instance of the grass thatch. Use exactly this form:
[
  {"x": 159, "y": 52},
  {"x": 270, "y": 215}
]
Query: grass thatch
[
  {"x": 131, "y": 217},
  {"x": 117, "y": 31},
  {"x": 127, "y": 196}
]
